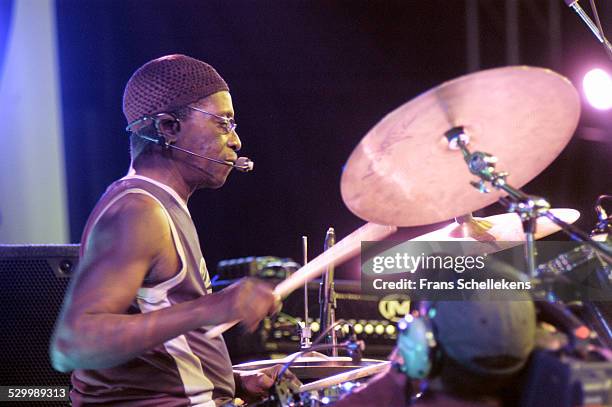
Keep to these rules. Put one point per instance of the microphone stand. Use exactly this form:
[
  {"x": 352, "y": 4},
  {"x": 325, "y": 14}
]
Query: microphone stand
[
  {"x": 327, "y": 297},
  {"x": 305, "y": 331},
  {"x": 528, "y": 207}
]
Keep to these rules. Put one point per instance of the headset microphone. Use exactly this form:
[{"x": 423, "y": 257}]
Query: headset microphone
[{"x": 242, "y": 164}]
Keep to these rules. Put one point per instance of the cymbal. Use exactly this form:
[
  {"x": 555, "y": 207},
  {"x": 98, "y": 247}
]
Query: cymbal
[
  {"x": 403, "y": 173},
  {"x": 311, "y": 367},
  {"x": 506, "y": 227}
]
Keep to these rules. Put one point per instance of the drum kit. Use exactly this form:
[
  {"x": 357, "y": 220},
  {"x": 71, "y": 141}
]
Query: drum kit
[{"x": 431, "y": 160}]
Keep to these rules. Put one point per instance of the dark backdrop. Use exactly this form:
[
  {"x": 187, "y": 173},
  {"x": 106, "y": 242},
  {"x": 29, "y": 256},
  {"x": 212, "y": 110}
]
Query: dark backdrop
[{"x": 308, "y": 79}]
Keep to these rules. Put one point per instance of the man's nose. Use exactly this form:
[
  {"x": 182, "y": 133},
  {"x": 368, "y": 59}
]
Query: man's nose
[{"x": 234, "y": 141}]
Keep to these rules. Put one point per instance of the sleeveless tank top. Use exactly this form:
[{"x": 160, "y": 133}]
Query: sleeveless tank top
[{"x": 189, "y": 370}]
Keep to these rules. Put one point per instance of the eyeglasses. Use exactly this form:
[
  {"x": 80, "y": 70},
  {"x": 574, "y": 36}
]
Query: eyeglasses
[{"x": 228, "y": 123}]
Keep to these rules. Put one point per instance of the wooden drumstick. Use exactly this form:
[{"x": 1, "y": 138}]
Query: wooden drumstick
[
  {"x": 345, "y": 377},
  {"x": 340, "y": 252}
]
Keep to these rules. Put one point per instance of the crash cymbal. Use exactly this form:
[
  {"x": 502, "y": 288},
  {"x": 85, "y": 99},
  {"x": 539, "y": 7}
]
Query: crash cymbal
[
  {"x": 403, "y": 172},
  {"x": 506, "y": 227}
]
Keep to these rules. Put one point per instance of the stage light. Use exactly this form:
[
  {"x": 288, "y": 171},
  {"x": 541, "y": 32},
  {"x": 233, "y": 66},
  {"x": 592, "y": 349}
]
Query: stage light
[{"x": 597, "y": 86}]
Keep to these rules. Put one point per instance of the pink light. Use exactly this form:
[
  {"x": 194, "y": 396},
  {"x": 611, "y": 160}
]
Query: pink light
[{"x": 597, "y": 86}]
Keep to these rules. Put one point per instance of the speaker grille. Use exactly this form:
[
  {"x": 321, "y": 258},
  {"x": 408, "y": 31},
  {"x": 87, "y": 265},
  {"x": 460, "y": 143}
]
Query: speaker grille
[{"x": 33, "y": 280}]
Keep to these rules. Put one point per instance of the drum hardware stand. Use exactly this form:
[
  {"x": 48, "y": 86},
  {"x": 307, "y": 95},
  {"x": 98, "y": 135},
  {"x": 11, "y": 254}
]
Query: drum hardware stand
[
  {"x": 286, "y": 393},
  {"x": 327, "y": 297},
  {"x": 305, "y": 330},
  {"x": 603, "y": 228},
  {"x": 317, "y": 346},
  {"x": 354, "y": 346},
  {"x": 573, "y": 4},
  {"x": 473, "y": 226},
  {"x": 602, "y": 232},
  {"x": 528, "y": 207},
  {"x": 605, "y": 337}
]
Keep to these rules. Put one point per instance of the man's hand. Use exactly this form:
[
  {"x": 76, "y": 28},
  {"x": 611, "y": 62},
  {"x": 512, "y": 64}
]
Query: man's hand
[
  {"x": 250, "y": 300},
  {"x": 254, "y": 385}
]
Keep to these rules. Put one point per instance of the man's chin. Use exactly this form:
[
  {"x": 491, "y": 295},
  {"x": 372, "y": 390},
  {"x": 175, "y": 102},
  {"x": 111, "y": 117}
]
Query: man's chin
[
  {"x": 216, "y": 186},
  {"x": 214, "y": 183}
]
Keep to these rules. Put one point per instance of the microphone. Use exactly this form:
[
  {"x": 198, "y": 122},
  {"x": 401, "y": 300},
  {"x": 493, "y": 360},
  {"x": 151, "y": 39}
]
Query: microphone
[{"x": 242, "y": 164}]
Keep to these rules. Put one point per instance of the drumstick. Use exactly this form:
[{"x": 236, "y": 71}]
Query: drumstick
[
  {"x": 345, "y": 377},
  {"x": 341, "y": 251}
]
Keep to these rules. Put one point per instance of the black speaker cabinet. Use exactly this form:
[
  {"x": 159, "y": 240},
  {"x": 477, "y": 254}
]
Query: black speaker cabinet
[{"x": 33, "y": 280}]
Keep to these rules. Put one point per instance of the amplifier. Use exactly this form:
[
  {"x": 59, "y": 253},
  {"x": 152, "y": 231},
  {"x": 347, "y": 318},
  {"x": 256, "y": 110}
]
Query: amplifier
[
  {"x": 561, "y": 381},
  {"x": 373, "y": 317},
  {"x": 267, "y": 267},
  {"x": 34, "y": 279}
]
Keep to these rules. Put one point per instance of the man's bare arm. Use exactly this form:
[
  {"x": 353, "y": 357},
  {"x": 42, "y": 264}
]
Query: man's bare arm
[{"x": 94, "y": 331}]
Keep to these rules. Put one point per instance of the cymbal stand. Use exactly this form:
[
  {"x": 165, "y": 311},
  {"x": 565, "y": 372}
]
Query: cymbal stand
[
  {"x": 528, "y": 207},
  {"x": 596, "y": 29}
]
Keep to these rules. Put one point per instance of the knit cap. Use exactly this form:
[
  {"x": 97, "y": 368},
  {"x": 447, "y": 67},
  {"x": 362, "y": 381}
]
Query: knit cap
[{"x": 167, "y": 83}]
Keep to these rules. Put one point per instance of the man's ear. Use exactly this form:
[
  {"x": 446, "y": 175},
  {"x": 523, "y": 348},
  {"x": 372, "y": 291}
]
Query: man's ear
[{"x": 167, "y": 126}]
